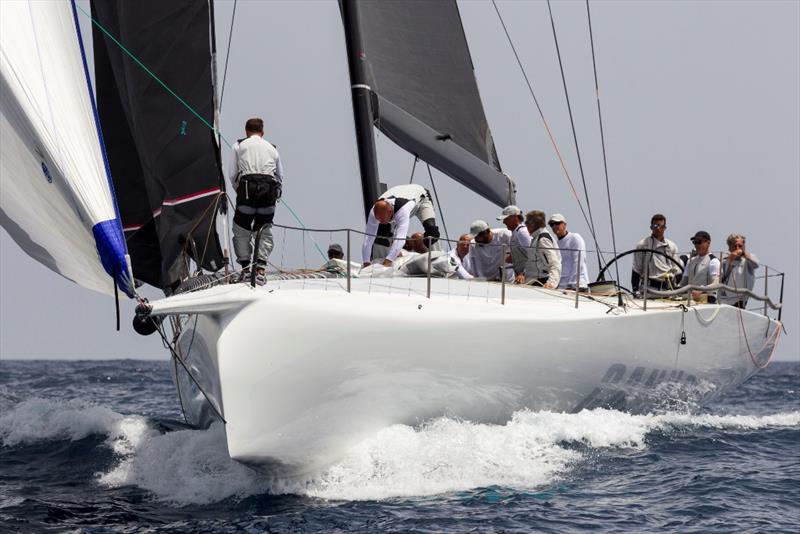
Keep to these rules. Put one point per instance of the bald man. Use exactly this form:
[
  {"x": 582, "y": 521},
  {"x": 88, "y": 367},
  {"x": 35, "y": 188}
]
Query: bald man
[{"x": 389, "y": 218}]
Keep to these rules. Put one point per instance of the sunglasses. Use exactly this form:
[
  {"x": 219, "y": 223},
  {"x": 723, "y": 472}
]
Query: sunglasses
[
  {"x": 552, "y": 224},
  {"x": 657, "y": 226}
]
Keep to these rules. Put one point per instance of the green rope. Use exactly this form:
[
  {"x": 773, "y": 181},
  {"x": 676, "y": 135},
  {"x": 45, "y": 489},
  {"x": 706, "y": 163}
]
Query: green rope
[
  {"x": 151, "y": 73},
  {"x": 324, "y": 257},
  {"x": 187, "y": 106}
]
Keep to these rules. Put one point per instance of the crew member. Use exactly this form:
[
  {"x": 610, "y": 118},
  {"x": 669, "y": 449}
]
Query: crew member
[
  {"x": 256, "y": 174},
  {"x": 573, "y": 253},
  {"x": 544, "y": 258},
  {"x": 335, "y": 252},
  {"x": 489, "y": 252},
  {"x": 520, "y": 240},
  {"x": 461, "y": 257},
  {"x": 703, "y": 268},
  {"x": 663, "y": 273},
  {"x": 738, "y": 271},
  {"x": 390, "y": 217},
  {"x": 416, "y": 243}
]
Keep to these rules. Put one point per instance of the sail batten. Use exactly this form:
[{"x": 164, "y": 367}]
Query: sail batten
[{"x": 417, "y": 62}]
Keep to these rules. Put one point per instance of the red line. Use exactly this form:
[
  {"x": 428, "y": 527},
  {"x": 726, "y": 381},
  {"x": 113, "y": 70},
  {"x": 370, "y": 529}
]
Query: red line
[{"x": 190, "y": 196}]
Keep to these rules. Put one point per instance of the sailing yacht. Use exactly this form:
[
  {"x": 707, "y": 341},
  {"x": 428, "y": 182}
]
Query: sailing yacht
[{"x": 303, "y": 368}]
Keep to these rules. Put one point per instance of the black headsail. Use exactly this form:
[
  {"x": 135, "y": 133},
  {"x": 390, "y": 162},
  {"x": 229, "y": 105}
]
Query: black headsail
[
  {"x": 164, "y": 160},
  {"x": 412, "y": 57}
]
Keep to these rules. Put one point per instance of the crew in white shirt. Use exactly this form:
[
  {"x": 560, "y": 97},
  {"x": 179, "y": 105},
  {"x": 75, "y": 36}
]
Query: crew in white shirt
[
  {"x": 389, "y": 220},
  {"x": 702, "y": 269},
  {"x": 738, "y": 271},
  {"x": 520, "y": 240},
  {"x": 544, "y": 258},
  {"x": 256, "y": 173},
  {"x": 659, "y": 268},
  {"x": 489, "y": 254},
  {"x": 573, "y": 253},
  {"x": 462, "y": 258}
]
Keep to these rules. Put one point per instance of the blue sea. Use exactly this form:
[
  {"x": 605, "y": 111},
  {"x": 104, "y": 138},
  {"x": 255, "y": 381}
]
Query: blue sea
[{"x": 100, "y": 446}]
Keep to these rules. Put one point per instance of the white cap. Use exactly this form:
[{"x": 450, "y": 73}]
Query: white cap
[
  {"x": 557, "y": 218},
  {"x": 478, "y": 226},
  {"x": 508, "y": 211}
]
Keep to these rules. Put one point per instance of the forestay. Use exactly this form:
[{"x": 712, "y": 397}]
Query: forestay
[
  {"x": 419, "y": 67},
  {"x": 56, "y": 202}
]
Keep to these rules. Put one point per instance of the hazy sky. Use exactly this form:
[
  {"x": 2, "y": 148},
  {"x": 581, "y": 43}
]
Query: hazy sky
[{"x": 700, "y": 107}]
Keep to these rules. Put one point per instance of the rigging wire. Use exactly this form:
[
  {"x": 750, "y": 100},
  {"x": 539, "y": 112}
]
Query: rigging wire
[
  {"x": 602, "y": 140},
  {"x": 541, "y": 115},
  {"x": 227, "y": 55},
  {"x": 575, "y": 138},
  {"x": 438, "y": 205},
  {"x": 413, "y": 168}
]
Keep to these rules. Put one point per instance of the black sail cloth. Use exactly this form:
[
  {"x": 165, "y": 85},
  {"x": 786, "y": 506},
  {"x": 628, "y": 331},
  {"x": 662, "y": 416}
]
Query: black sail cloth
[
  {"x": 427, "y": 101},
  {"x": 165, "y": 162}
]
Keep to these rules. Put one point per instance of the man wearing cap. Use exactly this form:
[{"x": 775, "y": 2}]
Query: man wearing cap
[
  {"x": 544, "y": 259},
  {"x": 335, "y": 252},
  {"x": 573, "y": 253},
  {"x": 520, "y": 240},
  {"x": 703, "y": 268},
  {"x": 663, "y": 274},
  {"x": 489, "y": 252},
  {"x": 390, "y": 217},
  {"x": 337, "y": 263},
  {"x": 461, "y": 257}
]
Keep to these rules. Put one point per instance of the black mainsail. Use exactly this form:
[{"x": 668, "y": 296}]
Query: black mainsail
[
  {"x": 165, "y": 160},
  {"x": 410, "y": 63}
]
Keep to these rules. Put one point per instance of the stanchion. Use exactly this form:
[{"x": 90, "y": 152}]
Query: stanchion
[{"x": 348, "y": 260}]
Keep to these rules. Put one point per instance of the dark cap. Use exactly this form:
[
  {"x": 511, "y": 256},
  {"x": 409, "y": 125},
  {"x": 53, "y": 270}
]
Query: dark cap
[
  {"x": 336, "y": 248},
  {"x": 702, "y": 235}
]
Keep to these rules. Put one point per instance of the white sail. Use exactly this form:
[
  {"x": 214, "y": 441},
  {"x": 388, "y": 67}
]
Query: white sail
[{"x": 55, "y": 196}]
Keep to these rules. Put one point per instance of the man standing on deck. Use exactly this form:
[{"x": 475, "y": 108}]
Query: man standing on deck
[
  {"x": 256, "y": 174},
  {"x": 489, "y": 252},
  {"x": 738, "y": 271},
  {"x": 544, "y": 258},
  {"x": 573, "y": 254},
  {"x": 520, "y": 240},
  {"x": 390, "y": 217},
  {"x": 663, "y": 273}
]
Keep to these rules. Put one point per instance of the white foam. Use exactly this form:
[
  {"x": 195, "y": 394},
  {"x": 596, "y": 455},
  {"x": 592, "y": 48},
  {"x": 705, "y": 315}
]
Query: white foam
[
  {"x": 530, "y": 451},
  {"x": 443, "y": 456},
  {"x": 43, "y": 419}
]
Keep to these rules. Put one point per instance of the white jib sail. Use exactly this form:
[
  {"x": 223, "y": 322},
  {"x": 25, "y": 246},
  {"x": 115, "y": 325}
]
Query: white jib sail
[{"x": 55, "y": 195}]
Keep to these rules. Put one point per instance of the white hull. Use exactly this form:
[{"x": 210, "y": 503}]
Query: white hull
[{"x": 302, "y": 370}]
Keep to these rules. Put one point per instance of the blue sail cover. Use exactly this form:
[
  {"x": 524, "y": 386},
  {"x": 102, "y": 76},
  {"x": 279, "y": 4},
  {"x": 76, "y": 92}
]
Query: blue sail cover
[{"x": 57, "y": 201}]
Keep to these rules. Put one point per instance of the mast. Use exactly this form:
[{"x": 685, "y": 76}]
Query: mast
[{"x": 362, "y": 104}]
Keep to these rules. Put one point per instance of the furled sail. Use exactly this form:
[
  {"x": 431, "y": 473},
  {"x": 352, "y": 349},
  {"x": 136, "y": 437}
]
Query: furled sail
[
  {"x": 164, "y": 159},
  {"x": 56, "y": 202},
  {"x": 417, "y": 64}
]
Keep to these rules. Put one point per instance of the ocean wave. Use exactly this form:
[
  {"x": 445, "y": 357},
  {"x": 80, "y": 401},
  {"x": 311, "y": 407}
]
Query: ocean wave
[
  {"x": 35, "y": 420},
  {"x": 532, "y": 450}
]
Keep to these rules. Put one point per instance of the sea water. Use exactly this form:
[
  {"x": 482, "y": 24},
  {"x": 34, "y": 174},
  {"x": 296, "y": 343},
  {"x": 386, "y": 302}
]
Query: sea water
[{"x": 89, "y": 446}]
